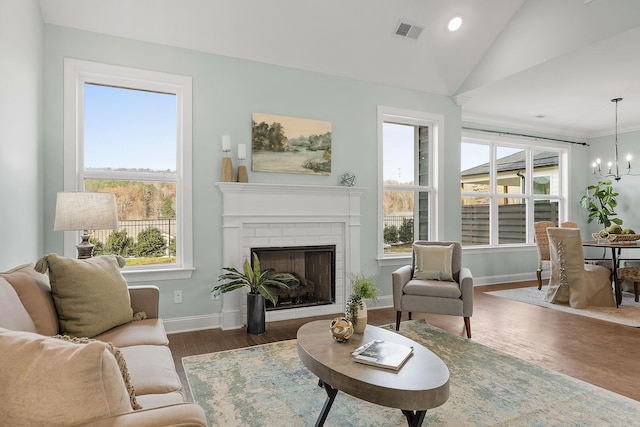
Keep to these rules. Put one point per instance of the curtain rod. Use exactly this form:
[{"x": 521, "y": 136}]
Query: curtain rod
[{"x": 525, "y": 135}]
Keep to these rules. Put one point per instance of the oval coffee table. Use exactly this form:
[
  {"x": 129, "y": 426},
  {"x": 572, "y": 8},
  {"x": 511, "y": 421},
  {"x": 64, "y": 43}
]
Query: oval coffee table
[{"x": 421, "y": 383}]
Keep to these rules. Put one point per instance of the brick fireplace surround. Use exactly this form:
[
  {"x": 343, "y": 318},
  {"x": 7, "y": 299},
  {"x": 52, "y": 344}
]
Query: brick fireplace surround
[{"x": 277, "y": 215}]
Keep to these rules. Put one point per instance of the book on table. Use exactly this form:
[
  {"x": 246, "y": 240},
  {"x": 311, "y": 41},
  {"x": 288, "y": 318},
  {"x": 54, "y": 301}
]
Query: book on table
[{"x": 382, "y": 353}]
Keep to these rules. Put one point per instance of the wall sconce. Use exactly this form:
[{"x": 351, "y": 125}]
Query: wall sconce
[
  {"x": 242, "y": 169},
  {"x": 227, "y": 166}
]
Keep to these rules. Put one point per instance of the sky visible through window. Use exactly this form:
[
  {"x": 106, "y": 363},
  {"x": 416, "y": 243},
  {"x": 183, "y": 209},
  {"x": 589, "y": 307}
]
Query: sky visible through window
[
  {"x": 473, "y": 155},
  {"x": 130, "y": 129},
  {"x": 399, "y": 149}
]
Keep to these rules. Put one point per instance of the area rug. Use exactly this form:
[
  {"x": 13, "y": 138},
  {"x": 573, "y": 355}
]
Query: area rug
[
  {"x": 628, "y": 313},
  {"x": 267, "y": 385}
]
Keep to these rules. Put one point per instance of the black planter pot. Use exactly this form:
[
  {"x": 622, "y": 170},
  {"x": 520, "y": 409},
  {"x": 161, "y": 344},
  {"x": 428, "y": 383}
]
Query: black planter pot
[{"x": 255, "y": 314}]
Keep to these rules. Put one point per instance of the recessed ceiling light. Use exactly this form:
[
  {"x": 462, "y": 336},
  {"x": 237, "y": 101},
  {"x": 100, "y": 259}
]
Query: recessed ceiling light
[{"x": 455, "y": 24}]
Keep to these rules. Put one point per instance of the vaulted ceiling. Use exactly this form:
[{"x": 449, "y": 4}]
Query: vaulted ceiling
[{"x": 543, "y": 65}]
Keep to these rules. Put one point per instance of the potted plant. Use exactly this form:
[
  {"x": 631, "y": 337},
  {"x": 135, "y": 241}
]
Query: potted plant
[
  {"x": 356, "y": 310},
  {"x": 601, "y": 203},
  {"x": 259, "y": 283}
]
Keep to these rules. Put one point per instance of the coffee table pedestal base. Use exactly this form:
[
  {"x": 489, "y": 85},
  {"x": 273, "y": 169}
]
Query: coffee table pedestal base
[{"x": 414, "y": 418}]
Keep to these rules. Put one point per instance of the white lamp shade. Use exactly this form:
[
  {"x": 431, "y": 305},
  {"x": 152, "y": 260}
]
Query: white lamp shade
[{"x": 86, "y": 211}]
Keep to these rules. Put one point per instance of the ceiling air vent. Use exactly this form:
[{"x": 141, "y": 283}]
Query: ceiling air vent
[{"x": 411, "y": 31}]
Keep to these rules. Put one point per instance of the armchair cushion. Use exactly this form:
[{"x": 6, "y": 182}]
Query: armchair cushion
[
  {"x": 432, "y": 288},
  {"x": 433, "y": 262},
  {"x": 90, "y": 295}
]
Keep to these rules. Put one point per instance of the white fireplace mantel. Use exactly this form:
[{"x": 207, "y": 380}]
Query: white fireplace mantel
[{"x": 268, "y": 215}]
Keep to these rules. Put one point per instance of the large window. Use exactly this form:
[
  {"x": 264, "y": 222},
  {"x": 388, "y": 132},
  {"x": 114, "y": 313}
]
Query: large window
[
  {"x": 507, "y": 185},
  {"x": 408, "y": 147},
  {"x": 128, "y": 132}
]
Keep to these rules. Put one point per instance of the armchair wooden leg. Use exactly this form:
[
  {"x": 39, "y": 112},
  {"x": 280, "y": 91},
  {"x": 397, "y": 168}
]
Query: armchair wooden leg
[
  {"x": 398, "y": 318},
  {"x": 539, "y": 276},
  {"x": 467, "y": 325}
]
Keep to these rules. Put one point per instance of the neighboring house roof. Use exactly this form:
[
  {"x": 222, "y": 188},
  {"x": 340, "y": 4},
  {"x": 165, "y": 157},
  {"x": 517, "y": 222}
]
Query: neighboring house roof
[{"x": 514, "y": 162}]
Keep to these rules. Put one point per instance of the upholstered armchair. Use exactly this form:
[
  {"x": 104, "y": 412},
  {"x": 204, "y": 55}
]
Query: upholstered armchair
[
  {"x": 435, "y": 282},
  {"x": 572, "y": 281}
]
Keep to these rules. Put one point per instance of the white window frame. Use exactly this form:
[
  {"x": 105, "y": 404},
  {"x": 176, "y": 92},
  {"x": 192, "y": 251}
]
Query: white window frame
[
  {"x": 76, "y": 74},
  {"x": 435, "y": 123},
  {"x": 564, "y": 154}
]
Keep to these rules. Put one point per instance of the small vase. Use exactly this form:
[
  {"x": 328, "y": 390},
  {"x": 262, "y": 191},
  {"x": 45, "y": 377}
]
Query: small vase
[{"x": 361, "y": 324}]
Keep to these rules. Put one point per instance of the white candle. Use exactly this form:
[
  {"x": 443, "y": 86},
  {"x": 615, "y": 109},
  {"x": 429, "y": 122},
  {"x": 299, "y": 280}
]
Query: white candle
[
  {"x": 242, "y": 151},
  {"x": 226, "y": 143}
]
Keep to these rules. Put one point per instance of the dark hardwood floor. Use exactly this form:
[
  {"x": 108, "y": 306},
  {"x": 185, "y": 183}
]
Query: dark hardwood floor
[{"x": 598, "y": 352}]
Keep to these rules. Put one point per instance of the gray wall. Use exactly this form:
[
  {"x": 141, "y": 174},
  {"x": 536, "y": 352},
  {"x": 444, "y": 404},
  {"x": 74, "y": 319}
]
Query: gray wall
[
  {"x": 226, "y": 92},
  {"x": 629, "y": 186},
  {"x": 21, "y": 32}
]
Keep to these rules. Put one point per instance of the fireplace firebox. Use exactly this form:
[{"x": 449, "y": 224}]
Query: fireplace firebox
[{"x": 313, "y": 266}]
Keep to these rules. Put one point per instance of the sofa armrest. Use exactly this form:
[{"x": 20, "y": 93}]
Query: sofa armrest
[
  {"x": 183, "y": 415},
  {"x": 399, "y": 278},
  {"x": 145, "y": 298}
]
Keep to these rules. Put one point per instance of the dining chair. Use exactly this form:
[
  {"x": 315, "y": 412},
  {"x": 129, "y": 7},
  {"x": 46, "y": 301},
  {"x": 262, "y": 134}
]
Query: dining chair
[
  {"x": 542, "y": 245},
  {"x": 631, "y": 274},
  {"x": 572, "y": 281}
]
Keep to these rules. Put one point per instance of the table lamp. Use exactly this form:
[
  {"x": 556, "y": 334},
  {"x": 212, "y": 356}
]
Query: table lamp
[{"x": 84, "y": 211}]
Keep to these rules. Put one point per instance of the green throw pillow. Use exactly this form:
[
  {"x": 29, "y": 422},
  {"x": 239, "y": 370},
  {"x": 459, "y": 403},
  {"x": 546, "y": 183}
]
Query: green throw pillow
[{"x": 90, "y": 295}]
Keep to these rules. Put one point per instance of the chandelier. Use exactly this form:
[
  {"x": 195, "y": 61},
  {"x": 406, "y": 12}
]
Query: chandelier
[{"x": 613, "y": 170}]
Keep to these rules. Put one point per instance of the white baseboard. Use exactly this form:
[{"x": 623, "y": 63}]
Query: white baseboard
[
  {"x": 214, "y": 321},
  {"x": 192, "y": 323},
  {"x": 506, "y": 278}
]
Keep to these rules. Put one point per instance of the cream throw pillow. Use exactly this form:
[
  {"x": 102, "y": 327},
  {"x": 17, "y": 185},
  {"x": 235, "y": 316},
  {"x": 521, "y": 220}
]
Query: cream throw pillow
[
  {"x": 433, "y": 262},
  {"x": 46, "y": 381},
  {"x": 122, "y": 364},
  {"x": 90, "y": 295}
]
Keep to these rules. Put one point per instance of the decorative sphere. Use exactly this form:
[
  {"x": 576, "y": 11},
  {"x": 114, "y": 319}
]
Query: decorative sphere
[
  {"x": 341, "y": 329},
  {"x": 348, "y": 179}
]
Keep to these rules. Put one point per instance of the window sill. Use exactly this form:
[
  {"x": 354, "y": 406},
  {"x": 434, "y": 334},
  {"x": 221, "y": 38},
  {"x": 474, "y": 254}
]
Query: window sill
[
  {"x": 498, "y": 249},
  {"x": 147, "y": 275},
  {"x": 406, "y": 259},
  {"x": 395, "y": 261}
]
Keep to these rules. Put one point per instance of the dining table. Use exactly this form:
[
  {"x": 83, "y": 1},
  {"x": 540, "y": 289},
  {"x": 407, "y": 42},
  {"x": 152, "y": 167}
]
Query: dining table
[{"x": 616, "y": 250}]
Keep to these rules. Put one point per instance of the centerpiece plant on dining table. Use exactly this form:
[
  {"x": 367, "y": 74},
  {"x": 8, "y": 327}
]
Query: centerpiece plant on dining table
[{"x": 600, "y": 203}]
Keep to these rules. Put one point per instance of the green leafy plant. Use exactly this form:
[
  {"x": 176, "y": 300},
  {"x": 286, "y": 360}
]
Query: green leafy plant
[
  {"x": 391, "y": 234},
  {"x": 259, "y": 281},
  {"x": 600, "y": 202},
  {"x": 363, "y": 287},
  {"x": 405, "y": 232},
  {"x": 151, "y": 243}
]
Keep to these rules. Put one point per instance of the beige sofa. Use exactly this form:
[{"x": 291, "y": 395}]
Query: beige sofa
[{"x": 51, "y": 381}]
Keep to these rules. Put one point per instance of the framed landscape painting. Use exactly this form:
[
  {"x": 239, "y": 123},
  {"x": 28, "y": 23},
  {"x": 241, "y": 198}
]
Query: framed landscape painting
[{"x": 290, "y": 145}]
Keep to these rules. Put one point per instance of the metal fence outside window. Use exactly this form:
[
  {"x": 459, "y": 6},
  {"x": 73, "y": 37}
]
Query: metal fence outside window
[{"x": 133, "y": 227}]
